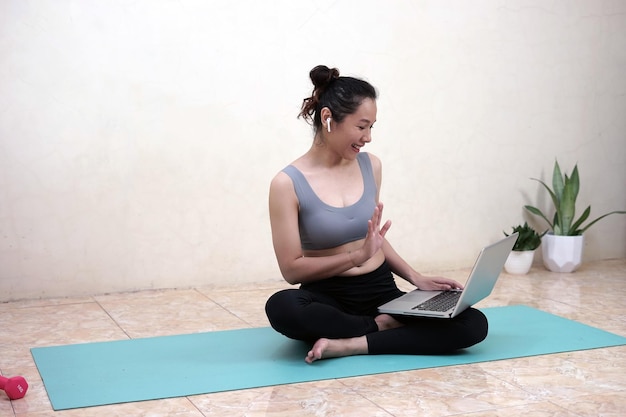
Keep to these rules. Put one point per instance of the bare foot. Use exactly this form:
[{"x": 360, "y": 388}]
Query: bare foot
[
  {"x": 335, "y": 348},
  {"x": 386, "y": 322}
]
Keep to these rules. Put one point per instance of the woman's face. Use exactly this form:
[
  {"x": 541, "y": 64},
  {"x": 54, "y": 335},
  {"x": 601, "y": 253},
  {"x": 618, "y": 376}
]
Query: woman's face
[{"x": 349, "y": 136}]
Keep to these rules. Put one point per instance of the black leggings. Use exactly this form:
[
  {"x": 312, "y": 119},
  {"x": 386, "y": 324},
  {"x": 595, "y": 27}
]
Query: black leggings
[{"x": 308, "y": 315}]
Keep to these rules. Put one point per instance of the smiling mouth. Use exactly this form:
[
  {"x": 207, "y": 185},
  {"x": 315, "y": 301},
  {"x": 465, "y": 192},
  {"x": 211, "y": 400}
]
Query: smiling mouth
[{"x": 356, "y": 147}]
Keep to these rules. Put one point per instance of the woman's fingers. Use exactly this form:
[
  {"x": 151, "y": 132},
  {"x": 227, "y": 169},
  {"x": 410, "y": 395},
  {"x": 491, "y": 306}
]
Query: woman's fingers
[
  {"x": 385, "y": 228},
  {"x": 378, "y": 214}
]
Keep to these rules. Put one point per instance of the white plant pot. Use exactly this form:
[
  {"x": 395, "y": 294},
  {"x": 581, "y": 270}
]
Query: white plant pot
[
  {"x": 519, "y": 262},
  {"x": 562, "y": 253}
]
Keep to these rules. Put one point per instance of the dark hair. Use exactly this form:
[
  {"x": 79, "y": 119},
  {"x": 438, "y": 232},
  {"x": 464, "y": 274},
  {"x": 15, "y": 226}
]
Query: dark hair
[{"x": 342, "y": 95}]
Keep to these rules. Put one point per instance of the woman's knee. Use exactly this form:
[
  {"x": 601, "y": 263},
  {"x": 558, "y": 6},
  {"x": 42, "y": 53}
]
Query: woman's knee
[
  {"x": 284, "y": 311},
  {"x": 476, "y": 326},
  {"x": 282, "y": 307},
  {"x": 276, "y": 303}
]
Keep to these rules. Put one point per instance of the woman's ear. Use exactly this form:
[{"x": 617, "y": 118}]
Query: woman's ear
[
  {"x": 325, "y": 113},
  {"x": 326, "y": 117}
]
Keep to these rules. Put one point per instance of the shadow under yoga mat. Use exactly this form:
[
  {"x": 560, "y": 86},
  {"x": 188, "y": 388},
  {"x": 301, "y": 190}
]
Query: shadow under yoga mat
[{"x": 91, "y": 374}]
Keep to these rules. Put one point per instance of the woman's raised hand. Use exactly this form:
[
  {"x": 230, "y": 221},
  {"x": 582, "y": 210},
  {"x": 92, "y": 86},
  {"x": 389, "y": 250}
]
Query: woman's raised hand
[{"x": 375, "y": 232}]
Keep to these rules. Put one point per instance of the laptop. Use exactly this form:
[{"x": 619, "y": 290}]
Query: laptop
[{"x": 449, "y": 304}]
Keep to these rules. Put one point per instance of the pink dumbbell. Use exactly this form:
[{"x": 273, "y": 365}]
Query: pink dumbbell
[{"x": 14, "y": 387}]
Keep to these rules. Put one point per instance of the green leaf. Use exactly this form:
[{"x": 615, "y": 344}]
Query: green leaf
[
  {"x": 557, "y": 183},
  {"x": 600, "y": 218},
  {"x": 574, "y": 229},
  {"x": 536, "y": 211},
  {"x": 575, "y": 182},
  {"x": 555, "y": 221},
  {"x": 568, "y": 206},
  {"x": 555, "y": 200},
  {"x": 557, "y": 230}
]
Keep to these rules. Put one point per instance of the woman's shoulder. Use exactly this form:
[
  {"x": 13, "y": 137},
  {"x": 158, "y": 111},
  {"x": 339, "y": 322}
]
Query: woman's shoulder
[
  {"x": 282, "y": 190},
  {"x": 280, "y": 180},
  {"x": 375, "y": 161}
]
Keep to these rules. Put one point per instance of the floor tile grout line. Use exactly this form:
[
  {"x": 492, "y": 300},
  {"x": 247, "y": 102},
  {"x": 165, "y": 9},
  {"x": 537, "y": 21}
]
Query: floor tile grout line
[
  {"x": 567, "y": 409},
  {"x": 195, "y": 406},
  {"x": 223, "y": 308},
  {"x": 119, "y": 326},
  {"x": 355, "y": 392}
]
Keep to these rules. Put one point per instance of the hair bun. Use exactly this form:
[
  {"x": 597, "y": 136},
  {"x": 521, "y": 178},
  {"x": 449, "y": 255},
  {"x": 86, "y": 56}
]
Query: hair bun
[{"x": 321, "y": 76}]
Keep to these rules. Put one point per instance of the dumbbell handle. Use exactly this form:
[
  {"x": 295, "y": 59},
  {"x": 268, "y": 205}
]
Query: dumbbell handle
[{"x": 15, "y": 387}]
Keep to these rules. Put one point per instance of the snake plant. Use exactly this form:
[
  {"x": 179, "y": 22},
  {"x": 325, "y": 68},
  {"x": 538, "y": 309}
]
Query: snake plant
[{"x": 563, "y": 193}]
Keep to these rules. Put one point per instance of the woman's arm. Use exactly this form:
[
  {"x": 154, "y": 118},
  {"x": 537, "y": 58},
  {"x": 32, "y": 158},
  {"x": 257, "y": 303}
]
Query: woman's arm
[
  {"x": 402, "y": 269},
  {"x": 294, "y": 266}
]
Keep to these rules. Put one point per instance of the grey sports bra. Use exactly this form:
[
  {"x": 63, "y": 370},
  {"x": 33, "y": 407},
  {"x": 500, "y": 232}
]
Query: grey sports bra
[{"x": 323, "y": 226}]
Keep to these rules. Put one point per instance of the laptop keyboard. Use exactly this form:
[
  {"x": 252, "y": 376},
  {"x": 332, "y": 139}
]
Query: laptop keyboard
[{"x": 441, "y": 302}]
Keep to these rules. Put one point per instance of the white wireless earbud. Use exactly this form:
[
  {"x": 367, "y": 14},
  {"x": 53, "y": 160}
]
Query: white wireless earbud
[{"x": 328, "y": 124}]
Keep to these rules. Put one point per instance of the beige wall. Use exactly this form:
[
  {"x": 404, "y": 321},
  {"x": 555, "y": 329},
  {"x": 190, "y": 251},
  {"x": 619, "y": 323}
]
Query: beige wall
[{"x": 138, "y": 139}]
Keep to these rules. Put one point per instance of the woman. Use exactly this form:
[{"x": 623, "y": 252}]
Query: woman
[{"x": 329, "y": 237}]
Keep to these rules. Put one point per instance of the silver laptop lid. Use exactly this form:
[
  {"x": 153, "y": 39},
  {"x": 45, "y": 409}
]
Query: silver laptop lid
[{"x": 485, "y": 272}]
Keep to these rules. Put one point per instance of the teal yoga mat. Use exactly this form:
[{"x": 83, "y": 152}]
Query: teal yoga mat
[{"x": 91, "y": 374}]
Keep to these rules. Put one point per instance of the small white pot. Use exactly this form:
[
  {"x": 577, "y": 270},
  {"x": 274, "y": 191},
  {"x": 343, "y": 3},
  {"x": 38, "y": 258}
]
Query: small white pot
[
  {"x": 562, "y": 253},
  {"x": 519, "y": 262}
]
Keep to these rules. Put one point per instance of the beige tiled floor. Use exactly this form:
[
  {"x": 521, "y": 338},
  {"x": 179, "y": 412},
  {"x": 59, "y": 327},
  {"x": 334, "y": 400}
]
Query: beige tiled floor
[{"x": 585, "y": 383}]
